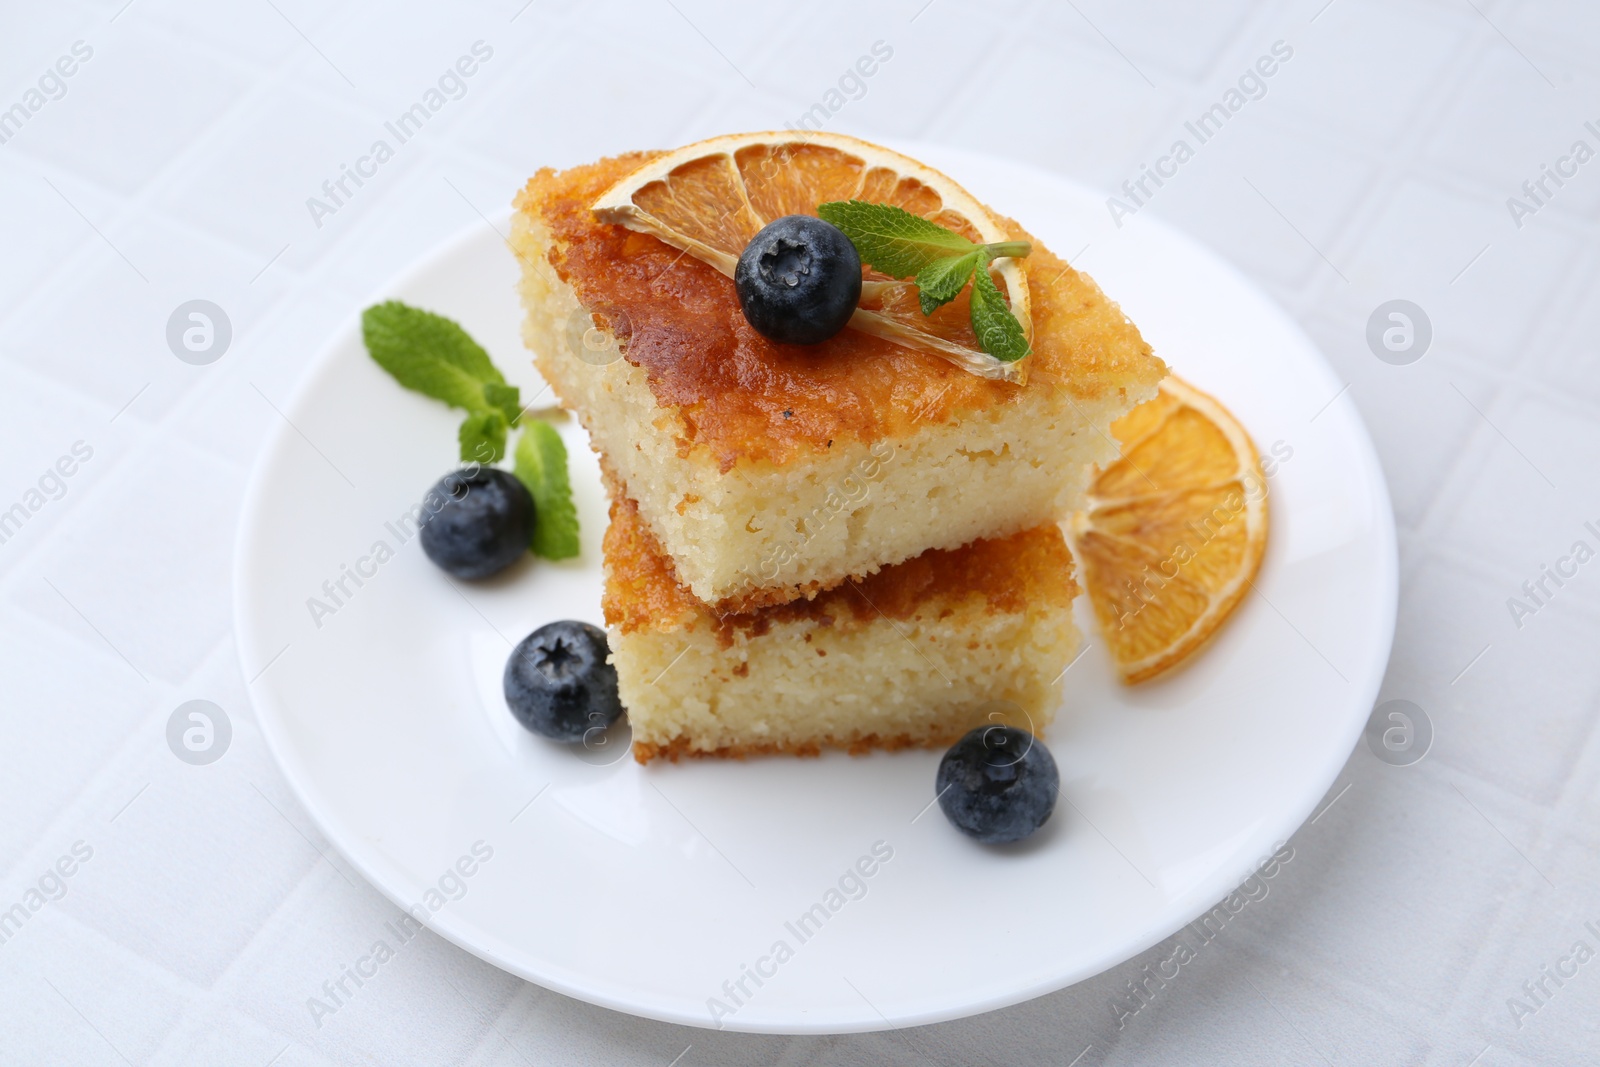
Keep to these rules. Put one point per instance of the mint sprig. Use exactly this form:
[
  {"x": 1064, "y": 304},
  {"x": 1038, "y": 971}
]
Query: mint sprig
[
  {"x": 998, "y": 330},
  {"x": 434, "y": 356},
  {"x": 483, "y": 437},
  {"x": 902, "y": 245},
  {"x": 541, "y": 465}
]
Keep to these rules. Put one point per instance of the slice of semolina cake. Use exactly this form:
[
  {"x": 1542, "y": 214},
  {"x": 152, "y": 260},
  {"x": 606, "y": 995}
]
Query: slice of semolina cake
[
  {"x": 768, "y": 471},
  {"x": 915, "y": 655}
]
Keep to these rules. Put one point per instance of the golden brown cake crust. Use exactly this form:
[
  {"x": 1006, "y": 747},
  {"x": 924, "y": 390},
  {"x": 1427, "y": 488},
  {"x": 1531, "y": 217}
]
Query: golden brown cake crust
[
  {"x": 747, "y": 398},
  {"x": 1033, "y": 567},
  {"x": 681, "y": 747}
]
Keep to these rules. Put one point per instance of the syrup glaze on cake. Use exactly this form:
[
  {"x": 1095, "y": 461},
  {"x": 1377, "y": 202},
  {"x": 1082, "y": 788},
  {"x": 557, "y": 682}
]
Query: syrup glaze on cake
[{"x": 745, "y": 398}]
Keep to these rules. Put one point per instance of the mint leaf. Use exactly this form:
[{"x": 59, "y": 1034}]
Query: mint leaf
[
  {"x": 895, "y": 242},
  {"x": 541, "y": 465},
  {"x": 430, "y": 354},
  {"x": 483, "y": 438},
  {"x": 999, "y": 332},
  {"x": 507, "y": 399},
  {"x": 891, "y": 239},
  {"x": 939, "y": 282},
  {"x": 434, "y": 356}
]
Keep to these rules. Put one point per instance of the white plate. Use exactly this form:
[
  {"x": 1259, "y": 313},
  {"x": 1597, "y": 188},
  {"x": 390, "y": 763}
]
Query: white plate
[{"x": 646, "y": 889}]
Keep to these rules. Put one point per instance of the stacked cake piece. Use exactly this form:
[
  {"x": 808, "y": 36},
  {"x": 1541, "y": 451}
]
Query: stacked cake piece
[{"x": 851, "y": 544}]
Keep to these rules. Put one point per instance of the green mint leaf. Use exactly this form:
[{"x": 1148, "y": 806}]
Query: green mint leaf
[
  {"x": 541, "y": 465},
  {"x": 902, "y": 245},
  {"x": 999, "y": 332},
  {"x": 483, "y": 438},
  {"x": 939, "y": 282},
  {"x": 430, "y": 354},
  {"x": 891, "y": 239},
  {"x": 507, "y": 399}
]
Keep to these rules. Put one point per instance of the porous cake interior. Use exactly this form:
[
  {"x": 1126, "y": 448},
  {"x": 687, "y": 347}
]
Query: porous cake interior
[{"x": 916, "y": 655}]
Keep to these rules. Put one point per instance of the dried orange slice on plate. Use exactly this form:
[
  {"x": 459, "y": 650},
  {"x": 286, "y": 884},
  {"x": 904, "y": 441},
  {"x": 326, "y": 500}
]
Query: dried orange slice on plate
[
  {"x": 710, "y": 198},
  {"x": 1173, "y": 532}
]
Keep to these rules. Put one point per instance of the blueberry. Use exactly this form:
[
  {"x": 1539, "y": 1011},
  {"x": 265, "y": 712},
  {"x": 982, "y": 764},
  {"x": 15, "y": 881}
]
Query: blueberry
[
  {"x": 799, "y": 280},
  {"x": 478, "y": 522},
  {"x": 559, "y": 684},
  {"x": 997, "y": 784}
]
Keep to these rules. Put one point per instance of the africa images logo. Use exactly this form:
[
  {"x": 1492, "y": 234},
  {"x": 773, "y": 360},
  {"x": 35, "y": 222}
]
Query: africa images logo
[
  {"x": 451, "y": 85},
  {"x": 51, "y": 85},
  {"x": 51, "y": 485},
  {"x": 1251, "y": 85},
  {"x": 853, "y": 884},
  {"x": 452, "y": 885},
  {"x": 337, "y": 591}
]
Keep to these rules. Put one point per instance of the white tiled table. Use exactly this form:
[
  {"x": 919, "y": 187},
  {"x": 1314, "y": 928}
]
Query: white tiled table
[{"x": 177, "y": 164}]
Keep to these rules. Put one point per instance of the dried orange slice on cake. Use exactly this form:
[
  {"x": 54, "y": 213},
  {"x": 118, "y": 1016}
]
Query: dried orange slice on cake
[
  {"x": 1173, "y": 532},
  {"x": 710, "y": 198}
]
